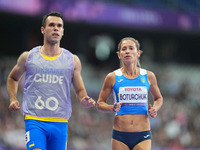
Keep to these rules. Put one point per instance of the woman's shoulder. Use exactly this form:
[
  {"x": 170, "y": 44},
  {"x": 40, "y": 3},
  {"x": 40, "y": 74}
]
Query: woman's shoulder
[
  {"x": 145, "y": 71},
  {"x": 111, "y": 75},
  {"x": 117, "y": 72},
  {"x": 150, "y": 73},
  {"x": 151, "y": 76}
]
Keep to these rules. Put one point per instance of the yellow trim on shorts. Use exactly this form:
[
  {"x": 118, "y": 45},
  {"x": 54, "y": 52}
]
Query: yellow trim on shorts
[
  {"x": 45, "y": 119},
  {"x": 31, "y": 145},
  {"x": 50, "y": 58}
]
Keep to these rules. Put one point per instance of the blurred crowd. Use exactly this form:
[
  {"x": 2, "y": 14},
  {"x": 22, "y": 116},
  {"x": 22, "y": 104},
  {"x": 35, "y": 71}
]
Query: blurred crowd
[{"x": 175, "y": 128}]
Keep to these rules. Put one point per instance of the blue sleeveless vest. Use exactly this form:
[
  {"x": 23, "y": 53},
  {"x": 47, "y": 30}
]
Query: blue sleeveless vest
[{"x": 133, "y": 93}]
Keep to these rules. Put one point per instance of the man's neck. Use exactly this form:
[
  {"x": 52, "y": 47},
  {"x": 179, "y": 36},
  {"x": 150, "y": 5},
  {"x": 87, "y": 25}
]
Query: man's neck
[{"x": 50, "y": 50}]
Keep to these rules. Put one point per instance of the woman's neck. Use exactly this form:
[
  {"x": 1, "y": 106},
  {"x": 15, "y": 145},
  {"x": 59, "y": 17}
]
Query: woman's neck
[{"x": 130, "y": 71}]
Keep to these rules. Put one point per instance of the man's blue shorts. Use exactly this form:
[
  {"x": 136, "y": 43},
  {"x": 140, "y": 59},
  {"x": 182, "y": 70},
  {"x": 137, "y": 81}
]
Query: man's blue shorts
[
  {"x": 45, "y": 135},
  {"x": 131, "y": 138}
]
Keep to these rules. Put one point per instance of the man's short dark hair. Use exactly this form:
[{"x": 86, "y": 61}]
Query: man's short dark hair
[{"x": 54, "y": 13}]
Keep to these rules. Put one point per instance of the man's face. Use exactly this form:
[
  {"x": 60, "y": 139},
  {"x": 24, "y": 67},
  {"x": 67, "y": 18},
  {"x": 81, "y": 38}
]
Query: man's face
[{"x": 53, "y": 30}]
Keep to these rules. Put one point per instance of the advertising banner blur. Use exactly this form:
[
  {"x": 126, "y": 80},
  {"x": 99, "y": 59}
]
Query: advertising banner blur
[
  {"x": 102, "y": 13},
  {"x": 23, "y": 7},
  {"x": 128, "y": 16}
]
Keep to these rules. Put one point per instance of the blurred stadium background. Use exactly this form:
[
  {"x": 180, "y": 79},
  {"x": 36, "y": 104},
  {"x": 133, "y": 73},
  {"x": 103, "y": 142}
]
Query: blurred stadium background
[{"x": 169, "y": 34}]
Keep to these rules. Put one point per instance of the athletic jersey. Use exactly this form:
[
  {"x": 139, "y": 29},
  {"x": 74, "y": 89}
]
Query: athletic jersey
[
  {"x": 133, "y": 93},
  {"x": 47, "y": 85}
]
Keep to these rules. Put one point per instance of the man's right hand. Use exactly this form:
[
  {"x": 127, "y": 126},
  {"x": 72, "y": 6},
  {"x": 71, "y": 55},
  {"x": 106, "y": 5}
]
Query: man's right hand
[{"x": 14, "y": 106}]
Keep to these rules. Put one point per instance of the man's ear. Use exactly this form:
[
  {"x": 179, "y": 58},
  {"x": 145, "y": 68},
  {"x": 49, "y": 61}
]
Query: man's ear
[{"x": 42, "y": 30}]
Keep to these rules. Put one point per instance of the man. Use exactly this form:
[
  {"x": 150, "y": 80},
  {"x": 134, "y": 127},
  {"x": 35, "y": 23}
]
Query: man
[{"x": 46, "y": 104}]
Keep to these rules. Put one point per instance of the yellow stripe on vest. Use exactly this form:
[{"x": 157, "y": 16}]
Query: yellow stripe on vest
[{"x": 50, "y": 58}]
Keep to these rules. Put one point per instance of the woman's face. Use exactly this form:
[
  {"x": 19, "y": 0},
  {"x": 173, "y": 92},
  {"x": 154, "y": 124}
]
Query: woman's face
[{"x": 128, "y": 52}]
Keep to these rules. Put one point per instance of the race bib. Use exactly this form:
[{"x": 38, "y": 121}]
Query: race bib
[
  {"x": 27, "y": 137},
  {"x": 133, "y": 96}
]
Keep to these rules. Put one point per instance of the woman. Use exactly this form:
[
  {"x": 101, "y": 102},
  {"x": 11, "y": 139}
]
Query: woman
[{"x": 130, "y": 85}]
